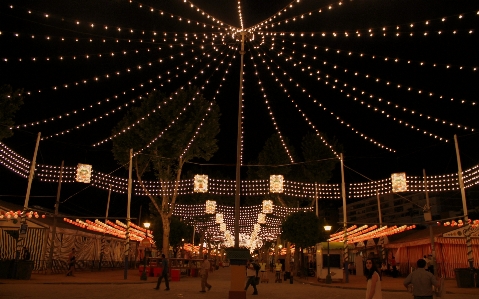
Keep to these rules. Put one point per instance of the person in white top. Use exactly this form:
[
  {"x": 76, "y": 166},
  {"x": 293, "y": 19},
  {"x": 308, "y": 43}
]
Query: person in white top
[
  {"x": 262, "y": 269},
  {"x": 373, "y": 289}
]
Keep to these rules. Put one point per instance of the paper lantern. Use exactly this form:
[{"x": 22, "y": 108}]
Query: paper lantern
[
  {"x": 267, "y": 206},
  {"x": 222, "y": 227},
  {"x": 201, "y": 183},
  {"x": 398, "y": 181},
  {"x": 261, "y": 218},
  {"x": 219, "y": 218},
  {"x": 83, "y": 173},
  {"x": 210, "y": 207},
  {"x": 276, "y": 183}
]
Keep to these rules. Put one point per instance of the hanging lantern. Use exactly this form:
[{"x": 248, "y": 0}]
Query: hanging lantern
[
  {"x": 210, "y": 207},
  {"x": 222, "y": 227},
  {"x": 257, "y": 227},
  {"x": 276, "y": 183},
  {"x": 201, "y": 183},
  {"x": 219, "y": 218},
  {"x": 261, "y": 218},
  {"x": 267, "y": 206},
  {"x": 398, "y": 181},
  {"x": 83, "y": 173}
]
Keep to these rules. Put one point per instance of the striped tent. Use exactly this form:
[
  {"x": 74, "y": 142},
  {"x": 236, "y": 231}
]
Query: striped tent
[
  {"x": 450, "y": 252},
  {"x": 87, "y": 243}
]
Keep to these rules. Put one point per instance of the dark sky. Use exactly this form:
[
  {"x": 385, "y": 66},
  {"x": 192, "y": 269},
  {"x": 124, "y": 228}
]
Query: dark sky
[{"x": 349, "y": 67}]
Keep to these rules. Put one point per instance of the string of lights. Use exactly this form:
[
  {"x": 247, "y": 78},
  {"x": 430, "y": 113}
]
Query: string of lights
[
  {"x": 381, "y": 29},
  {"x": 274, "y": 16},
  {"x": 436, "y": 183},
  {"x": 208, "y": 16},
  {"x": 297, "y": 85},
  {"x": 385, "y": 59},
  {"x": 396, "y": 106},
  {"x": 138, "y": 121},
  {"x": 278, "y": 131},
  {"x": 384, "y": 113}
]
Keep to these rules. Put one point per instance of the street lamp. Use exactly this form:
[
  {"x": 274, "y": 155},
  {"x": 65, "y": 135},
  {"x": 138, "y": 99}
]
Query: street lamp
[
  {"x": 143, "y": 274},
  {"x": 327, "y": 228}
]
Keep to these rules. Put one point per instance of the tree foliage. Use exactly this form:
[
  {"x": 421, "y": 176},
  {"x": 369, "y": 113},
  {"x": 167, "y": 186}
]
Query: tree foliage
[
  {"x": 164, "y": 133},
  {"x": 303, "y": 229},
  {"x": 10, "y": 103}
]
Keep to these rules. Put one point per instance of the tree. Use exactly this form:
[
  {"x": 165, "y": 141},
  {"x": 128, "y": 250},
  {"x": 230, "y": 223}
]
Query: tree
[
  {"x": 319, "y": 159},
  {"x": 164, "y": 133},
  {"x": 304, "y": 230},
  {"x": 179, "y": 230},
  {"x": 10, "y": 103}
]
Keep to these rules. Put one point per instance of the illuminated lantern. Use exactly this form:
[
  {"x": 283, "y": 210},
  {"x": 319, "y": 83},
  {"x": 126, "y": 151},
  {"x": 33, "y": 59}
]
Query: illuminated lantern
[
  {"x": 83, "y": 173},
  {"x": 210, "y": 207},
  {"x": 222, "y": 227},
  {"x": 276, "y": 183},
  {"x": 256, "y": 227},
  {"x": 201, "y": 183},
  {"x": 219, "y": 218},
  {"x": 261, "y": 218},
  {"x": 267, "y": 206},
  {"x": 398, "y": 181}
]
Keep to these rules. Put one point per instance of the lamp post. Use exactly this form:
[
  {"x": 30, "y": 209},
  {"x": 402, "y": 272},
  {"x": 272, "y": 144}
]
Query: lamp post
[
  {"x": 327, "y": 228},
  {"x": 143, "y": 274}
]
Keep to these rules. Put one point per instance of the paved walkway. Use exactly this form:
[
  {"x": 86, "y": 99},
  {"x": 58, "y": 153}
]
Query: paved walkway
[{"x": 116, "y": 277}]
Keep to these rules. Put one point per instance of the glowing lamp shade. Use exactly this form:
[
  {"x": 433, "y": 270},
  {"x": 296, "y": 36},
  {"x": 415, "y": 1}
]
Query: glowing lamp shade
[
  {"x": 201, "y": 183},
  {"x": 267, "y": 206},
  {"x": 398, "y": 181},
  {"x": 146, "y": 225},
  {"x": 222, "y": 227},
  {"x": 210, "y": 207},
  {"x": 276, "y": 183},
  {"x": 327, "y": 228},
  {"x": 261, "y": 218},
  {"x": 83, "y": 173},
  {"x": 219, "y": 218}
]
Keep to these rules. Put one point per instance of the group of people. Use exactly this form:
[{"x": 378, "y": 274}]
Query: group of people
[{"x": 421, "y": 280}]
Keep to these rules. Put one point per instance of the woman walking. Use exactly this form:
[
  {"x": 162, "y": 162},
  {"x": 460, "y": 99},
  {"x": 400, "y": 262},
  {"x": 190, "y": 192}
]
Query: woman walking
[{"x": 373, "y": 289}]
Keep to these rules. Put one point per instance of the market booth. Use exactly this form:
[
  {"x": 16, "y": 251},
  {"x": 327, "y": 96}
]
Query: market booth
[
  {"x": 336, "y": 257},
  {"x": 450, "y": 247}
]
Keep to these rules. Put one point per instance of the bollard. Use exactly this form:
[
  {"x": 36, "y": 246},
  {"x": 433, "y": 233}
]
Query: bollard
[{"x": 291, "y": 279}]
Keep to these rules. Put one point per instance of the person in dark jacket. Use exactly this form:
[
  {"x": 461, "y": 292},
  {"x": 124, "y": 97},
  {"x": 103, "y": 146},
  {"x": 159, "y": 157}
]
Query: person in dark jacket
[{"x": 164, "y": 274}]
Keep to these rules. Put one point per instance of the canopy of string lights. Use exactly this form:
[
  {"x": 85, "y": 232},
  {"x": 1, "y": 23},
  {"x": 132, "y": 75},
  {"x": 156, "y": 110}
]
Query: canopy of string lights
[{"x": 392, "y": 81}]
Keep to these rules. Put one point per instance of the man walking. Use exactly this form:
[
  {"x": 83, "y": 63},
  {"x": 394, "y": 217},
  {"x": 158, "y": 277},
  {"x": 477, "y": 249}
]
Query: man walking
[
  {"x": 251, "y": 276},
  {"x": 164, "y": 273},
  {"x": 205, "y": 268},
  {"x": 422, "y": 281}
]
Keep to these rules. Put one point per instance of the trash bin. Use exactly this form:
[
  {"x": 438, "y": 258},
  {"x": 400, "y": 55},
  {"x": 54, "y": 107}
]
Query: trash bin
[
  {"x": 287, "y": 275},
  {"x": 24, "y": 270},
  {"x": 464, "y": 277}
]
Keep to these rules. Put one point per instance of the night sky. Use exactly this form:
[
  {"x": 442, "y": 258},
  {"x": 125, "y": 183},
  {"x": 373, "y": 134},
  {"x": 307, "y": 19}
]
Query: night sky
[{"x": 348, "y": 66}]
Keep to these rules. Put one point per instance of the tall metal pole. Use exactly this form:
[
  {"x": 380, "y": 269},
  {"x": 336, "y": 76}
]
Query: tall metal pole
[
  {"x": 103, "y": 242},
  {"x": 467, "y": 227},
  {"x": 54, "y": 228},
  {"x": 328, "y": 276},
  {"x": 127, "y": 241},
  {"x": 316, "y": 198},
  {"x": 380, "y": 216},
  {"x": 238, "y": 145},
  {"x": 345, "y": 221},
  {"x": 428, "y": 217},
  {"x": 23, "y": 221}
]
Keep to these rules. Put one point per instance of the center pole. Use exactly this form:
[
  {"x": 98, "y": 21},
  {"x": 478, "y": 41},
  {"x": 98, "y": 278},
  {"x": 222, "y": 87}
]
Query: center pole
[{"x": 238, "y": 266}]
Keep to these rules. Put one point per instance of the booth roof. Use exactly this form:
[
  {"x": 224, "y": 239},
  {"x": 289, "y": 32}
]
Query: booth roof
[{"x": 417, "y": 234}]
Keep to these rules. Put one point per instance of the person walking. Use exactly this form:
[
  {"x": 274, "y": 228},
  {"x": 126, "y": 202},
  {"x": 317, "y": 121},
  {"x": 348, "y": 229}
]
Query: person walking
[
  {"x": 71, "y": 262},
  {"x": 422, "y": 281},
  {"x": 251, "y": 277},
  {"x": 278, "y": 267},
  {"x": 373, "y": 287},
  {"x": 263, "y": 270},
  {"x": 164, "y": 274},
  {"x": 205, "y": 268}
]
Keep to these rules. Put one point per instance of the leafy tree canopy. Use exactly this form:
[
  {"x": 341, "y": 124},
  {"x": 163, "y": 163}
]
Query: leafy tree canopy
[
  {"x": 303, "y": 229},
  {"x": 10, "y": 103}
]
